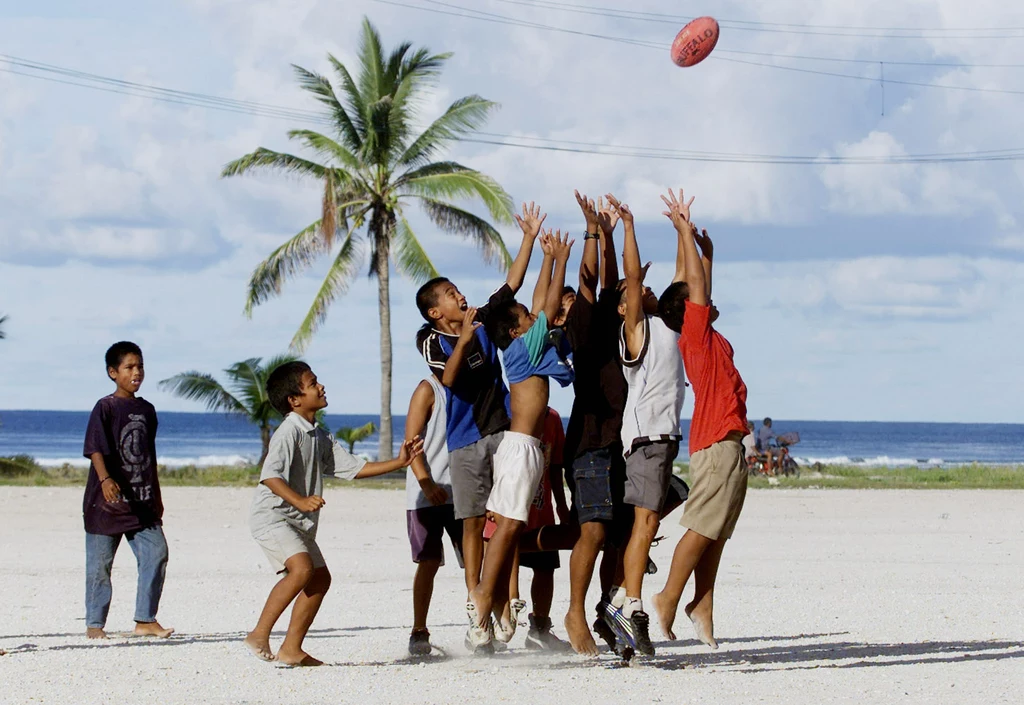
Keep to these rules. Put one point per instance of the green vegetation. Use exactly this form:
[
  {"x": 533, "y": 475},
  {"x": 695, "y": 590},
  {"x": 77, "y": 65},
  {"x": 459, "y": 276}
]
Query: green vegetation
[
  {"x": 23, "y": 470},
  {"x": 351, "y": 436},
  {"x": 245, "y": 394},
  {"x": 376, "y": 162}
]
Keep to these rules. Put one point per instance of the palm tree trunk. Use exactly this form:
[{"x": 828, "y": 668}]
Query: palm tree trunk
[
  {"x": 386, "y": 226},
  {"x": 265, "y": 437}
]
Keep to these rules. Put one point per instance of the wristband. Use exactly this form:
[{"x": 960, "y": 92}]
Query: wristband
[
  {"x": 591, "y": 236},
  {"x": 108, "y": 477}
]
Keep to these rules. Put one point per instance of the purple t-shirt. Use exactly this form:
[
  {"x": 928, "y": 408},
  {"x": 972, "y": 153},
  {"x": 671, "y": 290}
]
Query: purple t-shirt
[{"x": 124, "y": 431}]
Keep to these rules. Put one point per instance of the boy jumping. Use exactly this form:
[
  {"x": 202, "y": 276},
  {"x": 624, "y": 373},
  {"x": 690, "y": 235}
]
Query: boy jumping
[
  {"x": 122, "y": 496},
  {"x": 717, "y": 466},
  {"x": 286, "y": 507},
  {"x": 530, "y": 360}
]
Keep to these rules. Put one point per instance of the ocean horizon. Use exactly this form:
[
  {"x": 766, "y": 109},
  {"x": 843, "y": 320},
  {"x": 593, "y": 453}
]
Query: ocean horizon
[{"x": 204, "y": 439}]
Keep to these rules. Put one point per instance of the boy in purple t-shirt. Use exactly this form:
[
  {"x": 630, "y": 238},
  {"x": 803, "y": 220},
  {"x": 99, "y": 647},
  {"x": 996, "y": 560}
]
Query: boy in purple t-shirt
[{"x": 122, "y": 496}]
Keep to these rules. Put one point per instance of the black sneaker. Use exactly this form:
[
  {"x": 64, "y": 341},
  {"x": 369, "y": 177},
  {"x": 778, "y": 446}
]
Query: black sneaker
[
  {"x": 419, "y": 642},
  {"x": 601, "y": 627},
  {"x": 540, "y": 638},
  {"x": 639, "y": 624}
]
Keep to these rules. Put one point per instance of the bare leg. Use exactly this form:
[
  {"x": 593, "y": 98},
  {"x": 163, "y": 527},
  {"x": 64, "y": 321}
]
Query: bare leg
[
  {"x": 581, "y": 570},
  {"x": 700, "y": 610},
  {"x": 684, "y": 559},
  {"x": 307, "y": 604},
  {"x": 422, "y": 590},
  {"x": 497, "y": 566},
  {"x": 298, "y": 571},
  {"x": 645, "y": 528},
  {"x": 152, "y": 629},
  {"x": 542, "y": 591},
  {"x": 473, "y": 549}
]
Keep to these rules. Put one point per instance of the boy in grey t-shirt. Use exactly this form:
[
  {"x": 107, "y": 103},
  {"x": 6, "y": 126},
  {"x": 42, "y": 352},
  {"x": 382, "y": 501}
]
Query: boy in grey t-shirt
[{"x": 286, "y": 508}]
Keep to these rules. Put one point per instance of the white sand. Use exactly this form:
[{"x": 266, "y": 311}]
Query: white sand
[{"x": 824, "y": 596}]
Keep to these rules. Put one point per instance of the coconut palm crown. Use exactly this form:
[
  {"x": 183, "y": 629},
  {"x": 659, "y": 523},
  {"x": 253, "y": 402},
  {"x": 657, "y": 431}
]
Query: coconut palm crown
[{"x": 372, "y": 167}]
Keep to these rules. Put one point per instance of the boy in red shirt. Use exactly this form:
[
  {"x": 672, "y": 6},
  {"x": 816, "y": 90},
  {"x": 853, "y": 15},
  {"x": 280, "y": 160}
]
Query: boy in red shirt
[{"x": 717, "y": 468}]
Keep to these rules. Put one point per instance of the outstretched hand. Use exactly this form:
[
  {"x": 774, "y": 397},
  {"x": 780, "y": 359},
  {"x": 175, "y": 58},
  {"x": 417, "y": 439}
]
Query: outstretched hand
[
  {"x": 607, "y": 218},
  {"x": 589, "y": 211},
  {"x": 531, "y": 219},
  {"x": 560, "y": 246},
  {"x": 678, "y": 210},
  {"x": 410, "y": 449},
  {"x": 469, "y": 325},
  {"x": 621, "y": 209},
  {"x": 546, "y": 239},
  {"x": 707, "y": 248}
]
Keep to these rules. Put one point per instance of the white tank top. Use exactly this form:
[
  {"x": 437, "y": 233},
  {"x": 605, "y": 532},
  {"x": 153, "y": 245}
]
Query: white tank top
[
  {"x": 435, "y": 452},
  {"x": 656, "y": 386}
]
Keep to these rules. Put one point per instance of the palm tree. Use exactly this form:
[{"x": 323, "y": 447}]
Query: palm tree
[
  {"x": 373, "y": 166},
  {"x": 351, "y": 436},
  {"x": 245, "y": 393}
]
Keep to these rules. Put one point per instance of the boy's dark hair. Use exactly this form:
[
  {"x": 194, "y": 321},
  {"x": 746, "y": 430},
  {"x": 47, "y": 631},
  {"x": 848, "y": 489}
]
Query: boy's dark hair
[
  {"x": 568, "y": 290},
  {"x": 502, "y": 319},
  {"x": 767, "y": 421},
  {"x": 672, "y": 305},
  {"x": 118, "y": 351},
  {"x": 426, "y": 297},
  {"x": 285, "y": 381},
  {"x": 422, "y": 334}
]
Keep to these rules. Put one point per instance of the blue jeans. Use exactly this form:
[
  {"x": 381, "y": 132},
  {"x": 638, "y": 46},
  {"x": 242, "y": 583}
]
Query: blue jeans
[{"x": 150, "y": 549}]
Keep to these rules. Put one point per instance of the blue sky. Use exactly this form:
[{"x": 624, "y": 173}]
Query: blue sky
[{"x": 886, "y": 292}]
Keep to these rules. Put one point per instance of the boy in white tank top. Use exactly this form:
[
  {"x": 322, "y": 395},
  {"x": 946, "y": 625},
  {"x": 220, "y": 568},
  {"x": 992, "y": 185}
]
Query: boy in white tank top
[
  {"x": 429, "y": 509},
  {"x": 650, "y": 429}
]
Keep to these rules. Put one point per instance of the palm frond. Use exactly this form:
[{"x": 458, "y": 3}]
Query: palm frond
[
  {"x": 348, "y": 125},
  {"x": 201, "y": 387},
  {"x": 3, "y": 319},
  {"x": 356, "y": 104},
  {"x": 456, "y": 221},
  {"x": 372, "y": 76},
  {"x": 409, "y": 256},
  {"x": 462, "y": 117},
  {"x": 283, "y": 263},
  {"x": 327, "y": 148},
  {"x": 336, "y": 283},
  {"x": 274, "y": 161},
  {"x": 351, "y": 436},
  {"x": 450, "y": 180}
]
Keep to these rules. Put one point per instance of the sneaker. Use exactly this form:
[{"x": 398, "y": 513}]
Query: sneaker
[
  {"x": 601, "y": 627},
  {"x": 540, "y": 638},
  {"x": 504, "y": 632},
  {"x": 640, "y": 624},
  {"x": 419, "y": 642},
  {"x": 652, "y": 567},
  {"x": 619, "y": 625},
  {"x": 479, "y": 637}
]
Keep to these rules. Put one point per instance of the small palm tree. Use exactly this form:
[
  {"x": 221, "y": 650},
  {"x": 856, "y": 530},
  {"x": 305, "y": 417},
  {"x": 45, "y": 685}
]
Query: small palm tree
[
  {"x": 245, "y": 393},
  {"x": 373, "y": 166},
  {"x": 351, "y": 436}
]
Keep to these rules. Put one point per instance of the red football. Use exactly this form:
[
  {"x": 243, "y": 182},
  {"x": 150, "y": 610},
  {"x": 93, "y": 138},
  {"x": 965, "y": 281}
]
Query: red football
[{"x": 695, "y": 41}]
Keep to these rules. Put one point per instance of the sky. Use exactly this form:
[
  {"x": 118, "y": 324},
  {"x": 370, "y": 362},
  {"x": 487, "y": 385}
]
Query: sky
[{"x": 849, "y": 292}]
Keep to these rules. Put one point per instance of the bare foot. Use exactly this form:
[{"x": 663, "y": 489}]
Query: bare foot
[
  {"x": 95, "y": 633},
  {"x": 703, "y": 626},
  {"x": 666, "y": 614},
  {"x": 152, "y": 629},
  {"x": 259, "y": 647},
  {"x": 579, "y": 634},
  {"x": 298, "y": 660}
]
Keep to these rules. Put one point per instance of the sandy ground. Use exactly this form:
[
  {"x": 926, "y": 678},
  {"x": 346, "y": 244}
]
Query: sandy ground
[{"x": 824, "y": 596}]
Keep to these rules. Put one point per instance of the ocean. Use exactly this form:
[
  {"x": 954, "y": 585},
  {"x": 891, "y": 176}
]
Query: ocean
[{"x": 205, "y": 439}]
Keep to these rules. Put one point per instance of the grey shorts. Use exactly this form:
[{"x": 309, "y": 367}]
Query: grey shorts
[
  {"x": 282, "y": 541},
  {"x": 648, "y": 469},
  {"x": 472, "y": 471}
]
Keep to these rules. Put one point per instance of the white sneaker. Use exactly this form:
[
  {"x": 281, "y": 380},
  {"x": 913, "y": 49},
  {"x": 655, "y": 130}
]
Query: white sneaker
[
  {"x": 478, "y": 638},
  {"x": 504, "y": 632}
]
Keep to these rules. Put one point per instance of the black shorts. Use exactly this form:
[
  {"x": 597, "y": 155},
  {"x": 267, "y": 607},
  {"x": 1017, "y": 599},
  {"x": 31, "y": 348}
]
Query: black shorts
[
  {"x": 540, "y": 560},
  {"x": 599, "y": 483}
]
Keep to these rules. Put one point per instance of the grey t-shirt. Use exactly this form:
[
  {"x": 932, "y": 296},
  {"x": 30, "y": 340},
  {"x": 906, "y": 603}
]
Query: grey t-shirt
[
  {"x": 764, "y": 436},
  {"x": 300, "y": 454}
]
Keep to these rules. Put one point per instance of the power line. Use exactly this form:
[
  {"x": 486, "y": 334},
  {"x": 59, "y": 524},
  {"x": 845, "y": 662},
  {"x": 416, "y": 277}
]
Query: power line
[{"x": 73, "y": 77}]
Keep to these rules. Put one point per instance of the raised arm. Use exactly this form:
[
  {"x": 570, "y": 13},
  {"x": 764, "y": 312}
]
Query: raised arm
[
  {"x": 529, "y": 223},
  {"x": 707, "y": 255},
  {"x": 607, "y": 219},
  {"x": 560, "y": 249},
  {"x": 633, "y": 326},
  {"x": 540, "y": 291},
  {"x": 588, "y": 265},
  {"x": 454, "y": 362},
  {"x": 679, "y": 213}
]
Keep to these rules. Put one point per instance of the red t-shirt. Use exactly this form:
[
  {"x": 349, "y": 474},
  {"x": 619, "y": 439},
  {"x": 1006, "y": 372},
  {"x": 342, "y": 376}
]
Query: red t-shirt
[{"x": 719, "y": 395}]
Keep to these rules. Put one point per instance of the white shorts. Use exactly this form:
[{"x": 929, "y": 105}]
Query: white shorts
[
  {"x": 518, "y": 467},
  {"x": 282, "y": 541}
]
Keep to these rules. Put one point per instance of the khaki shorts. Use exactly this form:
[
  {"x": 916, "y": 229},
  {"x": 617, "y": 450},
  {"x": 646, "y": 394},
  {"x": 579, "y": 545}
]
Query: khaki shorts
[
  {"x": 282, "y": 541},
  {"x": 718, "y": 479}
]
